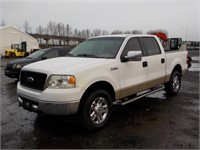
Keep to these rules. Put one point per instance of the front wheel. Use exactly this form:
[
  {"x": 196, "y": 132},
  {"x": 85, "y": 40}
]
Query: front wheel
[
  {"x": 96, "y": 110},
  {"x": 173, "y": 86}
]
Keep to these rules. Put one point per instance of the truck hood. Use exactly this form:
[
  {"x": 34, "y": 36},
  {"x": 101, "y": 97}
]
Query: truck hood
[{"x": 62, "y": 64}]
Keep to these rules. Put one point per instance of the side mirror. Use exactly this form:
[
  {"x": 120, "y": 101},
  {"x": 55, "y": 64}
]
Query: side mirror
[
  {"x": 133, "y": 56},
  {"x": 175, "y": 43}
]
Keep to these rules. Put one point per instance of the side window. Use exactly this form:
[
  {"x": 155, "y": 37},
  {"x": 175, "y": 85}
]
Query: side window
[
  {"x": 51, "y": 54},
  {"x": 150, "y": 46},
  {"x": 132, "y": 45},
  {"x": 63, "y": 52}
]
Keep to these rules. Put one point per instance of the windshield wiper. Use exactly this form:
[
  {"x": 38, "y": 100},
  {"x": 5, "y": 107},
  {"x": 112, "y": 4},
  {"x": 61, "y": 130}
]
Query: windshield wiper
[{"x": 88, "y": 55}]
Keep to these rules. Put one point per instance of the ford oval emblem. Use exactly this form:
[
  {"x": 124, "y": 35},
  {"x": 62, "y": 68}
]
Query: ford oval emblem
[{"x": 30, "y": 79}]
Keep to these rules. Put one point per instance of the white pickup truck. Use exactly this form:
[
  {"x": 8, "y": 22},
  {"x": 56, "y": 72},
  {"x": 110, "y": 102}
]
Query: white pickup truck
[{"x": 99, "y": 73}]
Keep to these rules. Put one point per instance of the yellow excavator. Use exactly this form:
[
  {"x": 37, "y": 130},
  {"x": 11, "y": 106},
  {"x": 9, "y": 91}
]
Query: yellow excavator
[{"x": 17, "y": 50}]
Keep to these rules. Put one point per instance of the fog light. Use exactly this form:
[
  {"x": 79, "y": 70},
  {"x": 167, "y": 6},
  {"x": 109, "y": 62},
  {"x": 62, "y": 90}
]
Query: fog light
[
  {"x": 20, "y": 101},
  {"x": 34, "y": 107}
]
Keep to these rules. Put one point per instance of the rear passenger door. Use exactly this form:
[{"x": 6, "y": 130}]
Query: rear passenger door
[
  {"x": 63, "y": 52},
  {"x": 155, "y": 61}
]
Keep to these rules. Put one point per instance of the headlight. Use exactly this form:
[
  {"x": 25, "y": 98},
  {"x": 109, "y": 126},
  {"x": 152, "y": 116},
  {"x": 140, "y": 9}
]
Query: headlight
[
  {"x": 17, "y": 66},
  {"x": 62, "y": 81}
]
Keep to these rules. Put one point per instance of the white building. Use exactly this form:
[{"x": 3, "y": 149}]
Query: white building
[{"x": 11, "y": 35}]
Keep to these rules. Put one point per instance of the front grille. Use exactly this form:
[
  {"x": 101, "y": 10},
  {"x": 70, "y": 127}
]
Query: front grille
[
  {"x": 9, "y": 66},
  {"x": 33, "y": 80}
]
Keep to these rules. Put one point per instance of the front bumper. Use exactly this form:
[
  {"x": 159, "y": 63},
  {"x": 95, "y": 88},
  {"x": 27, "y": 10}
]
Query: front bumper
[
  {"x": 50, "y": 108},
  {"x": 12, "y": 73},
  {"x": 49, "y": 101}
]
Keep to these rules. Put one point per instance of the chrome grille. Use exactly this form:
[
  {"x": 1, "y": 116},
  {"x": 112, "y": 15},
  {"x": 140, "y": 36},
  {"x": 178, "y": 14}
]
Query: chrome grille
[{"x": 33, "y": 80}]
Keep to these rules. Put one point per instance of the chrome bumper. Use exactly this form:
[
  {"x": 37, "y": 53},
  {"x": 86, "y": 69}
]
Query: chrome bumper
[{"x": 50, "y": 108}]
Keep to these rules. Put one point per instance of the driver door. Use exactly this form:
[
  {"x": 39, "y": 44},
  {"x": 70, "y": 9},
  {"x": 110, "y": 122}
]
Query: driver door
[{"x": 133, "y": 74}]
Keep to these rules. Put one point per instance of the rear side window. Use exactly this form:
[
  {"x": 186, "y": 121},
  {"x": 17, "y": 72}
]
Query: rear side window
[
  {"x": 51, "y": 54},
  {"x": 150, "y": 46},
  {"x": 63, "y": 52}
]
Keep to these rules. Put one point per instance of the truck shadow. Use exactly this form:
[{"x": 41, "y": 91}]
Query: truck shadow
[
  {"x": 71, "y": 125},
  {"x": 66, "y": 131}
]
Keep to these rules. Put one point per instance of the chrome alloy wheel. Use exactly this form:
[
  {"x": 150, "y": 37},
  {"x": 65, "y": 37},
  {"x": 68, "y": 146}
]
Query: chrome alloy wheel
[
  {"x": 176, "y": 83},
  {"x": 99, "y": 110}
]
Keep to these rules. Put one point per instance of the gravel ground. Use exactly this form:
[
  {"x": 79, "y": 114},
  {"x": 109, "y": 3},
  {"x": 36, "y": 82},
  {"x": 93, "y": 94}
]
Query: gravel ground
[{"x": 154, "y": 122}]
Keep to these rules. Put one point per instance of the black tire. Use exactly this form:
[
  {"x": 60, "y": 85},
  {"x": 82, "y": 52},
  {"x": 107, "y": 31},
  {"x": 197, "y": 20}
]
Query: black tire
[
  {"x": 96, "y": 109},
  {"x": 173, "y": 86},
  {"x": 26, "y": 54},
  {"x": 12, "y": 55}
]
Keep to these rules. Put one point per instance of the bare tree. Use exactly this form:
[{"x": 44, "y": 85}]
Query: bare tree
[
  {"x": 92, "y": 35},
  {"x": 26, "y": 26},
  {"x": 76, "y": 32},
  {"x": 60, "y": 28},
  {"x": 157, "y": 31},
  {"x": 46, "y": 31},
  {"x": 127, "y": 32},
  {"x": 52, "y": 29},
  {"x": 79, "y": 34},
  {"x": 104, "y": 32},
  {"x": 40, "y": 31},
  {"x": 68, "y": 30},
  {"x": 88, "y": 33},
  {"x": 117, "y": 32},
  {"x": 97, "y": 32},
  {"x": 60, "y": 31},
  {"x": 136, "y": 31},
  {"x": 83, "y": 34}
]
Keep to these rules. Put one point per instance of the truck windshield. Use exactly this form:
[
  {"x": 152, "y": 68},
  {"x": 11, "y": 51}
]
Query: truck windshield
[{"x": 102, "y": 47}]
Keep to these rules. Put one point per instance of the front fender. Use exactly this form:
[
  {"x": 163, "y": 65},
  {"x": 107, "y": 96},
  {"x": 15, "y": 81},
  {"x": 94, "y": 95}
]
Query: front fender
[{"x": 98, "y": 73}]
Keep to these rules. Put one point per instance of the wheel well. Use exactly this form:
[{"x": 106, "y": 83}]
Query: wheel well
[
  {"x": 178, "y": 68},
  {"x": 98, "y": 85}
]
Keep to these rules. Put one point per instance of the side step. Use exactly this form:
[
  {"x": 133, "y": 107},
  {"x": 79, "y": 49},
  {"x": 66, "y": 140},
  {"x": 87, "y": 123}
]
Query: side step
[{"x": 125, "y": 102}]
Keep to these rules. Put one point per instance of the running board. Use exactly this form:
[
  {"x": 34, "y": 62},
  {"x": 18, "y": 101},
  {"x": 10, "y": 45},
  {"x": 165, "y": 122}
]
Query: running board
[{"x": 125, "y": 102}]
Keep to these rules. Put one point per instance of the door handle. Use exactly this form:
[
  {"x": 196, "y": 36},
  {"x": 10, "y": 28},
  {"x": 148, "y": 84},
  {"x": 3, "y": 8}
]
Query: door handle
[
  {"x": 162, "y": 60},
  {"x": 145, "y": 64}
]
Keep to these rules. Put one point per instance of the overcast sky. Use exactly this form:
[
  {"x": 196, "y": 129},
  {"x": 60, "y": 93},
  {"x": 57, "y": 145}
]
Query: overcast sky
[{"x": 181, "y": 18}]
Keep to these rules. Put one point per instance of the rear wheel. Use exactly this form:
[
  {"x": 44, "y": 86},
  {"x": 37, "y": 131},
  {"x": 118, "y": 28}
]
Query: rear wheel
[
  {"x": 26, "y": 54},
  {"x": 95, "y": 111},
  {"x": 173, "y": 86},
  {"x": 12, "y": 55}
]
